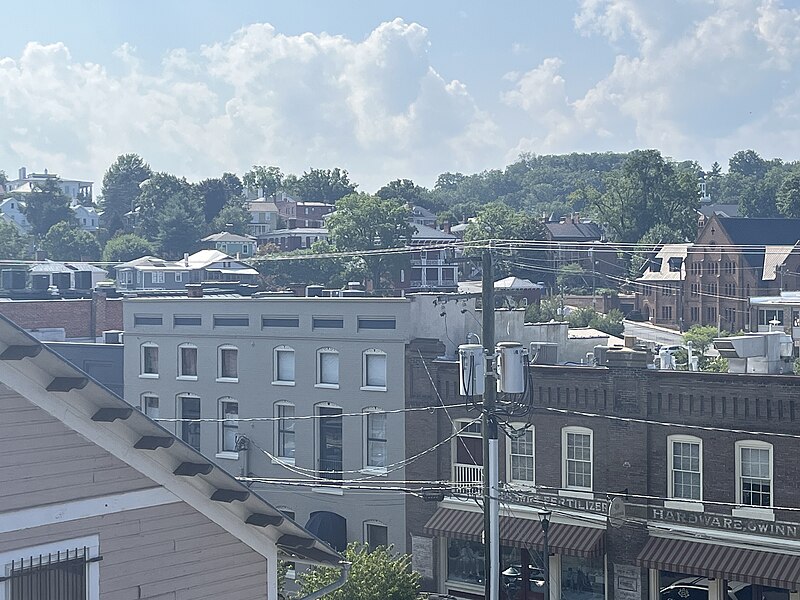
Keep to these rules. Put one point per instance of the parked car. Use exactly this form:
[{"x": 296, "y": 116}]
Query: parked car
[{"x": 696, "y": 588}]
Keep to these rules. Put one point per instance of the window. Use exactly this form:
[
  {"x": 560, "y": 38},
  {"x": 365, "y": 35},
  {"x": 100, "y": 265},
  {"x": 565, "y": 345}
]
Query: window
[
  {"x": 329, "y": 444},
  {"x": 577, "y": 455},
  {"x": 178, "y": 277},
  {"x": 149, "y": 360},
  {"x": 666, "y": 313},
  {"x": 157, "y": 277},
  {"x": 376, "y": 535},
  {"x": 520, "y": 465},
  {"x": 376, "y": 323},
  {"x": 280, "y": 322},
  {"x": 149, "y": 405},
  {"x": 284, "y": 411},
  {"x": 695, "y": 313},
  {"x": 328, "y": 368},
  {"x": 190, "y": 429},
  {"x": 375, "y": 446},
  {"x": 229, "y": 427},
  {"x": 231, "y": 321},
  {"x": 685, "y": 459},
  {"x": 187, "y": 320},
  {"x": 754, "y": 474},
  {"x": 283, "y": 373},
  {"x": 139, "y": 320},
  {"x": 327, "y": 323},
  {"x": 374, "y": 369},
  {"x": 187, "y": 361},
  {"x": 766, "y": 316},
  {"x": 228, "y": 364},
  {"x": 695, "y": 289},
  {"x": 67, "y": 570}
]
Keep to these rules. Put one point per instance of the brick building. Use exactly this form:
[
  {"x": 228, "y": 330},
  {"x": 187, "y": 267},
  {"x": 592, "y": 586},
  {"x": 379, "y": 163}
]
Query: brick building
[
  {"x": 660, "y": 287},
  {"x": 700, "y": 511},
  {"x": 84, "y": 318}
]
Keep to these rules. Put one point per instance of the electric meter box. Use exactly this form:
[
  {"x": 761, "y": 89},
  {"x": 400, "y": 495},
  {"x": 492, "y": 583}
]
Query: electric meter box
[
  {"x": 472, "y": 367},
  {"x": 510, "y": 368}
]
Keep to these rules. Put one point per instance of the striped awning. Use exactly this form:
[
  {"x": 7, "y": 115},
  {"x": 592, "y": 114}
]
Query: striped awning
[
  {"x": 725, "y": 562},
  {"x": 572, "y": 540}
]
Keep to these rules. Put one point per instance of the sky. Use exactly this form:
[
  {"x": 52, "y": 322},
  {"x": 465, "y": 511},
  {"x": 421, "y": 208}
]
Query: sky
[{"x": 389, "y": 89}]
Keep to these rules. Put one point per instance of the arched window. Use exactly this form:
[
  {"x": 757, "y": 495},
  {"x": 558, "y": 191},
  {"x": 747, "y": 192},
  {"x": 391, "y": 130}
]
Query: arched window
[
  {"x": 327, "y": 368},
  {"x": 148, "y": 404},
  {"x": 228, "y": 427},
  {"x": 375, "y": 439},
  {"x": 283, "y": 366},
  {"x": 187, "y": 361},
  {"x": 284, "y": 431},
  {"x": 374, "y": 370},
  {"x": 228, "y": 363},
  {"x": 148, "y": 360},
  {"x": 189, "y": 409}
]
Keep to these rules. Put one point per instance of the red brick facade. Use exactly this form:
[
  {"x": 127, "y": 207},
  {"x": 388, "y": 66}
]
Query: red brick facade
[{"x": 82, "y": 318}]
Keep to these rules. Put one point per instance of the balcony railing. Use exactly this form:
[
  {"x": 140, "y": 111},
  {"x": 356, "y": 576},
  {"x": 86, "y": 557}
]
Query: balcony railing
[{"x": 467, "y": 479}]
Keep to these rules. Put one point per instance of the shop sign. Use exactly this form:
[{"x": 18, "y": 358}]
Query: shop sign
[
  {"x": 726, "y": 522},
  {"x": 537, "y": 499},
  {"x": 627, "y": 582}
]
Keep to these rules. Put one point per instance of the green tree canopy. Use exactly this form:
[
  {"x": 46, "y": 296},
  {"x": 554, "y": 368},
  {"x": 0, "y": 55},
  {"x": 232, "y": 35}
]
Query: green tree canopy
[
  {"x": 279, "y": 269},
  {"x": 152, "y": 200},
  {"x": 13, "y": 245},
  {"x": 46, "y": 206},
  {"x": 125, "y": 247},
  {"x": 265, "y": 180},
  {"x": 67, "y": 241},
  {"x": 788, "y": 199},
  {"x": 215, "y": 193},
  {"x": 573, "y": 279},
  {"x": 180, "y": 224},
  {"x": 701, "y": 336},
  {"x": 405, "y": 191},
  {"x": 498, "y": 221},
  {"x": 323, "y": 185},
  {"x": 365, "y": 222},
  {"x": 233, "y": 217},
  {"x": 377, "y": 575},
  {"x": 120, "y": 189}
]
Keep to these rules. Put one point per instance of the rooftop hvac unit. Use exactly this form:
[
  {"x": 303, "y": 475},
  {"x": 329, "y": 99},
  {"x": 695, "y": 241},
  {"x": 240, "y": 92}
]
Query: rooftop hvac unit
[
  {"x": 13, "y": 279},
  {"x": 113, "y": 336}
]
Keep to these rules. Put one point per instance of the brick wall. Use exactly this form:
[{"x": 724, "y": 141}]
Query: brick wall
[{"x": 75, "y": 316}]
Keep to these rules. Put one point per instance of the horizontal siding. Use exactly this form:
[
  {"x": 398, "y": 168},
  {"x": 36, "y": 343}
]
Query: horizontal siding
[
  {"x": 169, "y": 552},
  {"x": 45, "y": 462}
]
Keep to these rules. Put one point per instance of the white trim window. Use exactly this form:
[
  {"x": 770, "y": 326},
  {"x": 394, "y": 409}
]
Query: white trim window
[
  {"x": 520, "y": 465},
  {"x": 577, "y": 456},
  {"x": 376, "y": 535},
  {"x": 157, "y": 277},
  {"x": 754, "y": 474},
  {"x": 374, "y": 370},
  {"x": 189, "y": 410},
  {"x": 328, "y": 368},
  {"x": 284, "y": 431},
  {"x": 187, "y": 362},
  {"x": 148, "y": 360},
  {"x": 68, "y": 569},
  {"x": 685, "y": 468},
  {"x": 228, "y": 427},
  {"x": 178, "y": 276},
  {"x": 228, "y": 363},
  {"x": 283, "y": 366},
  {"x": 375, "y": 439},
  {"x": 148, "y": 404}
]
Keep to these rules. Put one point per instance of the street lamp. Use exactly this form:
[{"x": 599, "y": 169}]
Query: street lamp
[
  {"x": 512, "y": 576},
  {"x": 544, "y": 520}
]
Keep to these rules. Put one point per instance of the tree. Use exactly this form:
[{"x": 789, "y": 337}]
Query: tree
[
  {"x": 571, "y": 279},
  {"x": 701, "y": 336},
  {"x": 233, "y": 217},
  {"x": 266, "y": 180},
  {"x": 324, "y": 185},
  {"x": 215, "y": 194},
  {"x": 121, "y": 189},
  {"x": 125, "y": 247},
  {"x": 747, "y": 163},
  {"x": 788, "y": 199},
  {"x": 405, "y": 191},
  {"x": 67, "y": 241},
  {"x": 47, "y": 205},
  {"x": 377, "y": 575},
  {"x": 180, "y": 224},
  {"x": 497, "y": 221},
  {"x": 152, "y": 200},
  {"x": 363, "y": 222},
  {"x": 280, "y": 270},
  {"x": 13, "y": 245}
]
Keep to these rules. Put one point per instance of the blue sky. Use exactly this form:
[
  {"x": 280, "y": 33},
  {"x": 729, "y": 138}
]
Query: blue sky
[{"x": 392, "y": 89}]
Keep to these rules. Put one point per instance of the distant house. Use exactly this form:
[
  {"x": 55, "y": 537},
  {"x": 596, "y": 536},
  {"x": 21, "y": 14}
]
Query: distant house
[
  {"x": 99, "y": 500},
  {"x": 433, "y": 267},
  {"x": 263, "y": 218},
  {"x": 295, "y": 239},
  {"x": 26, "y": 183},
  {"x": 153, "y": 273},
  {"x": 422, "y": 216},
  {"x": 12, "y": 212},
  {"x": 87, "y": 217},
  {"x": 66, "y": 275},
  {"x": 659, "y": 289},
  {"x": 231, "y": 244}
]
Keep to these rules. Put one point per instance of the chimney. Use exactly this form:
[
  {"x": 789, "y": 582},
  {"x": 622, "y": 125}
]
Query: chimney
[
  {"x": 630, "y": 341},
  {"x": 23, "y": 172},
  {"x": 185, "y": 259},
  {"x": 194, "y": 290},
  {"x": 446, "y": 226}
]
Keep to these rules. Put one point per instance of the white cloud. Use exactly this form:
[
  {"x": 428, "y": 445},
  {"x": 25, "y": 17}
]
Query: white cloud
[{"x": 376, "y": 107}]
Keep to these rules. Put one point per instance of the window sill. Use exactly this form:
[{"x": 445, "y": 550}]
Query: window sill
[
  {"x": 277, "y": 460},
  {"x": 584, "y": 493},
  {"x": 227, "y": 455},
  {"x": 688, "y": 505},
  {"x": 754, "y": 512},
  {"x": 227, "y": 380},
  {"x": 327, "y": 386},
  {"x": 380, "y": 471},
  {"x": 186, "y": 378},
  {"x": 148, "y": 375},
  {"x": 372, "y": 388},
  {"x": 286, "y": 383},
  {"x": 521, "y": 483}
]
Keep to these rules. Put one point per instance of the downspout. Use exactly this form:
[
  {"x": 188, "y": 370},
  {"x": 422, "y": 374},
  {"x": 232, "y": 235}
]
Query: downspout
[{"x": 332, "y": 587}]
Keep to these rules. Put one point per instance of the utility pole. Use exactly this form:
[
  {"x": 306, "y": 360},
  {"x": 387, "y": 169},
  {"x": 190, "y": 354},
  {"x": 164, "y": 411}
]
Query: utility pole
[{"x": 491, "y": 504}]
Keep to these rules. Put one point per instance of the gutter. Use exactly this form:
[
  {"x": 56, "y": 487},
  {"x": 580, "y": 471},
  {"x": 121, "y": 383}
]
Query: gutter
[{"x": 332, "y": 587}]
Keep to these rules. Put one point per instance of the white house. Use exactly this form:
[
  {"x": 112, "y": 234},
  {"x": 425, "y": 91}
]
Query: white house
[
  {"x": 11, "y": 211},
  {"x": 87, "y": 217}
]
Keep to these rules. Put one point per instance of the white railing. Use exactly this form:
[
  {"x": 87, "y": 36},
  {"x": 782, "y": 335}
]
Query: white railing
[{"x": 467, "y": 479}]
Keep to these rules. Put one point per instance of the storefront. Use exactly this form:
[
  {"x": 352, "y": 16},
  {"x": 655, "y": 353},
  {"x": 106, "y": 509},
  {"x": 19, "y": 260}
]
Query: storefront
[{"x": 577, "y": 558}]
